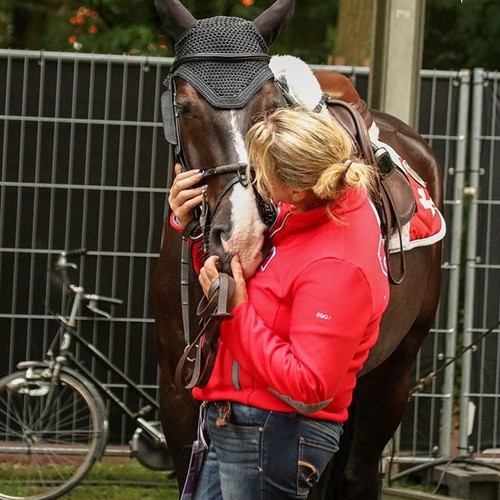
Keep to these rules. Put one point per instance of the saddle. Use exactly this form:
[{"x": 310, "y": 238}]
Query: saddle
[{"x": 393, "y": 198}]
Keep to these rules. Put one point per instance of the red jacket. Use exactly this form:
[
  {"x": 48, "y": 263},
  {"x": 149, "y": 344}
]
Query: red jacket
[{"x": 313, "y": 313}]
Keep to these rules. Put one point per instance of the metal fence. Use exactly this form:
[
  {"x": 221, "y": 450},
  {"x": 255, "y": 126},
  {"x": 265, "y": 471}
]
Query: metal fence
[
  {"x": 83, "y": 164},
  {"x": 480, "y": 379}
]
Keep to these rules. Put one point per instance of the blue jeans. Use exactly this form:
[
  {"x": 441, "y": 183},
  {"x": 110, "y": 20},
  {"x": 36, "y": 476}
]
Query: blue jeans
[{"x": 264, "y": 455}]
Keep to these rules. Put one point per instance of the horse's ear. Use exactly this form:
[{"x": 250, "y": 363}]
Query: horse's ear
[
  {"x": 175, "y": 18},
  {"x": 270, "y": 22}
]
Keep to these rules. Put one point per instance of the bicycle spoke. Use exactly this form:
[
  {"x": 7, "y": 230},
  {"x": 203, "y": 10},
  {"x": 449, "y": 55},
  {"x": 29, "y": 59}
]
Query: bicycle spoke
[{"x": 49, "y": 438}]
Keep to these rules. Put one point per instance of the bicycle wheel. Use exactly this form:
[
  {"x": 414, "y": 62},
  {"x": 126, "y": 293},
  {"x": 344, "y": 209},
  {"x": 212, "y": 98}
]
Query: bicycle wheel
[{"x": 50, "y": 434}]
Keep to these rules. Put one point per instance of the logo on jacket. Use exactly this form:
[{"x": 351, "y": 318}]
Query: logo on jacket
[
  {"x": 382, "y": 258},
  {"x": 321, "y": 315},
  {"x": 269, "y": 257}
]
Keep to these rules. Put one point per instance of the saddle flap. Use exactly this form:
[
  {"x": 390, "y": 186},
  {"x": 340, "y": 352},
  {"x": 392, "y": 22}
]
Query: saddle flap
[{"x": 397, "y": 186}]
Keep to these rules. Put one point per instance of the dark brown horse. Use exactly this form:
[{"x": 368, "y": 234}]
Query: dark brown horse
[{"x": 207, "y": 128}]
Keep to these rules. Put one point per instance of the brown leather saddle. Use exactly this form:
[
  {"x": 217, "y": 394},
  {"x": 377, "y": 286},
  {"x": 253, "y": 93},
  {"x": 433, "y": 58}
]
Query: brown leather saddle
[{"x": 394, "y": 198}]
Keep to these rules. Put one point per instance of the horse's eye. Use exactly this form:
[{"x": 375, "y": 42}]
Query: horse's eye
[{"x": 186, "y": 109}]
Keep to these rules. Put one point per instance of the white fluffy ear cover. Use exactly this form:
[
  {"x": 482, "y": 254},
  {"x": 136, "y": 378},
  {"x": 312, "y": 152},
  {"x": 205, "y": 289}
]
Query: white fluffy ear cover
[{"x": 302, "y": 84}]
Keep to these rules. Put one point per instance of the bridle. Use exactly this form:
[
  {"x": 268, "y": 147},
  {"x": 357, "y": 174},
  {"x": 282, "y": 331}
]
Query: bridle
[{"x": 171, "y": 125}]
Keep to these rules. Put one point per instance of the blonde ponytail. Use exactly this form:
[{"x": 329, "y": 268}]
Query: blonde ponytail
[
  {"x": 350, "y": 173},
  {"x": 305, "y": 150}
]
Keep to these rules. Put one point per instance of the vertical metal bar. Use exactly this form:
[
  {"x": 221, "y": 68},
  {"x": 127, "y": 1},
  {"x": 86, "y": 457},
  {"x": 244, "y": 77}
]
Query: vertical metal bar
[
  {"x": 397, "y": 49},
  {"x": 495, "y": 127},
  {"x": 19, "y": 206},
  {"x": 71, "y": 155},
  {"x": 86, "y": 182},
  {"x": 118, "y": 209},
  {"x": 455, "y": 238},
  {"x": 104, "y": 153},
  {"x": 3, "y": 190},
  {"x": 471, "y": 257},
  {"x": 489, "y": 222},
  {"x": 53, "y": 188},
  {"x": 36, "y": 191}
]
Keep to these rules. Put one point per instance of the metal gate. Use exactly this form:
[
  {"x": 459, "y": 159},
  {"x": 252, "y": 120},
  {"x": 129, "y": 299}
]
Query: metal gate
[{"x": 83, "y": 164}]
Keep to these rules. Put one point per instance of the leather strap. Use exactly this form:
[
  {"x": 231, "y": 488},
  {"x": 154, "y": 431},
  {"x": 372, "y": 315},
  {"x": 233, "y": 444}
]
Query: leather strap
[
  {"x": 392, "y": 219},
  {"x": 201, "y": 353}
]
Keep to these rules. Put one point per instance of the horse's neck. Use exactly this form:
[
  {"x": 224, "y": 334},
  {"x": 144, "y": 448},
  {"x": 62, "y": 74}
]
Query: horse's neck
[{"x": 302, "y": 85}]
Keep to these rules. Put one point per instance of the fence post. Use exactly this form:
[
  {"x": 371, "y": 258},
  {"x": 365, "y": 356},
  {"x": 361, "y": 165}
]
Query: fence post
[
  {"x": 454, "y": 266},
  {"x": 471, "y": 257}
]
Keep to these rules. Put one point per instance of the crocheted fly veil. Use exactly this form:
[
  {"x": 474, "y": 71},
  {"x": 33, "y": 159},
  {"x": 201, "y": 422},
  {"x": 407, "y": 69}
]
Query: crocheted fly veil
[{"x": 225, "y": 59}]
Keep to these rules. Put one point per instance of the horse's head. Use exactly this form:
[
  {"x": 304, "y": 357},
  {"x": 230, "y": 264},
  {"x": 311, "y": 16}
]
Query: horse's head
[{"x": 220, "y": 81}]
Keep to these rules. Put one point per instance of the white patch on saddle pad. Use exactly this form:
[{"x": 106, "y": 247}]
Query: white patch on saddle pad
[{"x": 303, "y": 86}]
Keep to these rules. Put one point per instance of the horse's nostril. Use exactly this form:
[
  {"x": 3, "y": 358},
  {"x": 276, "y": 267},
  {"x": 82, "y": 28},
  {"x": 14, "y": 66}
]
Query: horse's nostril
[{"x": 218, "y": 236}]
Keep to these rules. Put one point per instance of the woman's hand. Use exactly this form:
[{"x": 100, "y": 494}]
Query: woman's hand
[
  {"x": 210, "y": 272},
  {"x": 240, "y": 290},
  {"x": 183, "y": 197}
]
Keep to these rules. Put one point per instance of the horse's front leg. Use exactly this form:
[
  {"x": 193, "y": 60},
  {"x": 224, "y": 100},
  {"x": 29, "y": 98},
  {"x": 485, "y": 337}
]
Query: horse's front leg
[
  {"x": 179, "y": 416},
  {"x": 380, "y": 402}
]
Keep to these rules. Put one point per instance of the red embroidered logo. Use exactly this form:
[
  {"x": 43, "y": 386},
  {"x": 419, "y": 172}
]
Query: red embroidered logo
[{"x": 382, "y": 258}]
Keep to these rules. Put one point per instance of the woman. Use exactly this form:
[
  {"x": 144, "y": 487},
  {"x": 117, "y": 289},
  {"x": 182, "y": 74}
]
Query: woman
[{"x": 302, "y": 327}]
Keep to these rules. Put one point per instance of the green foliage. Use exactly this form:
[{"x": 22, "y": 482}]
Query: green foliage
[
  {"x": 133, "y": 27},
  {"x": 458, "y": 33},
  {"x": 462, "y": 34},
  {"x": 108, "y": 26}
]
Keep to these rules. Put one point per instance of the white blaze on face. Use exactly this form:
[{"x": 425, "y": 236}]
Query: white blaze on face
[
  {"x": 239, "y": 140},
  {"x": 247, "y": 235}
]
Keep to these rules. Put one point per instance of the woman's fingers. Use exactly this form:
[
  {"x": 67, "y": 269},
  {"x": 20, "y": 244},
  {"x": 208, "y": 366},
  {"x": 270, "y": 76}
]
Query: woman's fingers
[
  {"x": 208, "y": 273},
  {"x": 240, "y": 289},
  {"x": 183, "y": 196}
]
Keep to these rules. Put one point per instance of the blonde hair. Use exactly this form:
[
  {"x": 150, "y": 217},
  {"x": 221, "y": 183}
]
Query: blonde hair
[{"x": 304, "y": 150}]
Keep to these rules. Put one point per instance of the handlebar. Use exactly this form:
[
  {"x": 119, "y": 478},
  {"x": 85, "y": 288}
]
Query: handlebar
[
  {"x": 77, "y": 252},
  {"x": 61, "y": 266}
]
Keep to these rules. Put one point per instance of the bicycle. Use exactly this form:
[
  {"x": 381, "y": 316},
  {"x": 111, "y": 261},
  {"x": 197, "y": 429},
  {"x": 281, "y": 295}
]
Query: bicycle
[{"x": 53, "y": 419}]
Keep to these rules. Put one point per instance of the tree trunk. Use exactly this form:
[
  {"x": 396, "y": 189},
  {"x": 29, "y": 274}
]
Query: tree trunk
[{"x": 354, "y": 33}]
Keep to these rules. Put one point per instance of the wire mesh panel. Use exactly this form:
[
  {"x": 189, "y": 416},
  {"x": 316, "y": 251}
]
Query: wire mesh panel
[
  {"x": 426, "y": 430},
  {"x": 480, "y": 403},
  {"x": 82, "y": 165}
]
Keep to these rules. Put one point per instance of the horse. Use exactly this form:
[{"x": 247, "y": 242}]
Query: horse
[{"x": 221, "y": 81}]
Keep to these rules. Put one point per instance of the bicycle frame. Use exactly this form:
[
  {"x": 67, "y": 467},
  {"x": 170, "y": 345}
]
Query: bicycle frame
[
  {"x": 53, "y": 418},
  {"x": 65, "y": 355}
]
